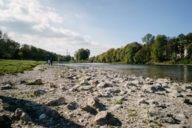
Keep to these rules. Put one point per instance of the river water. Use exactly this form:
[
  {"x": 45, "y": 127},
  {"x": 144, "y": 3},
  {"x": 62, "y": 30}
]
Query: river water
[{"x": 180, "y": 73}]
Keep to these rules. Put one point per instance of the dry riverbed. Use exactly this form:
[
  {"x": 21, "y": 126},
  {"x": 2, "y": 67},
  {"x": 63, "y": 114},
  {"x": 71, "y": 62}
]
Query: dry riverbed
[{"x": 66, "y": 97}]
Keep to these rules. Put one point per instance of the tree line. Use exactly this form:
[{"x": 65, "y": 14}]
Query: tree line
[
  {"x": 154, "y": 49},
  {"x": 10, "y": 49}
]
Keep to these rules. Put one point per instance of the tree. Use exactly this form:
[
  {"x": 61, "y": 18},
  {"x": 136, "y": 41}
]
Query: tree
[
  {"x": 129, "y": 52},
  {"x": 148, "y": 39},
  {"x": 82, "y": 54},
  {"x": 158, "y": 52},
  {"x": 172, "y": 49},
  {"x": 189, "y": 49},
  {"x": 143, "y": 55},
  {"x": 1, "y": 34}
]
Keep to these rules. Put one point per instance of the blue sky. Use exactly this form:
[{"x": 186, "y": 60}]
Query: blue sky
[{"x": 60, "y": 25}]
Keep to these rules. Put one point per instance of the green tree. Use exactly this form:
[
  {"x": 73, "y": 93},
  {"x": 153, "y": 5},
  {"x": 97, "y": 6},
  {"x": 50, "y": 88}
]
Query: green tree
[
  {"x": 158, "y": 52},
  {"x": 82, "y": 54},
  {"x": 189, "y": 49},
  {"x": 129, "y": 52},
  {"x": 148, "y": 39},
  {"x": 143, "y": 55}
]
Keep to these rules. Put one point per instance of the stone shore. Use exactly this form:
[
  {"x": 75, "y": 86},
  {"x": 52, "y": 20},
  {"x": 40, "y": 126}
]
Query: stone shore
[{"x": 69, "y": 97}]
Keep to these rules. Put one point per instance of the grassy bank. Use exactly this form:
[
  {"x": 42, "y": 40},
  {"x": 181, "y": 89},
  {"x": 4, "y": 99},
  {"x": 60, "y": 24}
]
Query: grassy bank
[{"x": 16, "y": 66}]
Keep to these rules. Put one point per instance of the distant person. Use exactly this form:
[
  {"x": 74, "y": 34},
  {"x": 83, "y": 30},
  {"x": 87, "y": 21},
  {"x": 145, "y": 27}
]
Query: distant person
[{"x": 49, "y": 62}]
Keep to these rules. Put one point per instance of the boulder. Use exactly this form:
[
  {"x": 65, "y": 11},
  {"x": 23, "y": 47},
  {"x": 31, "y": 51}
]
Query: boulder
[
  {"x": 143, "y": 101},
  {"x": 57, "y": 102},
  {"x": 188, "y": 101},
  {"x": 85, "y": 88},
  {"x": 72, "y": 105},
  {"x": 149, "y": 81},
  {"x": 95, "y": 82},
  {"x": 170, "y": 119},
  {"x": 175, "y": 94},
  {"x": 21, "y": 115},
  {"x": 39, "y": 92},
  {"x": 52, "y": 85},
  {"x": 189, "y": 87},
  {"x": 157, "y": 87},
  {"x": 8, "y": 82},
  {"x": 104, "y": 85},
  {"x": 74, "y": 88},
  {"x": 109, "y": 92},
  {"x": 84, "y": 82},
  {"x": 5, "y": 121},
  {"x": 35, "y": 82},
  {"x": 106, "y": 118},
  {"x": 7, "y": 86},
  {"x": 89, "y": 109},
  {"x": 93, "y": 105}
]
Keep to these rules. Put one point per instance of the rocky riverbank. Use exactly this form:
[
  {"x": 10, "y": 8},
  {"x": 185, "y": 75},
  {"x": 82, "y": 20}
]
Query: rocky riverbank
[{"x": 64, "y": 97}]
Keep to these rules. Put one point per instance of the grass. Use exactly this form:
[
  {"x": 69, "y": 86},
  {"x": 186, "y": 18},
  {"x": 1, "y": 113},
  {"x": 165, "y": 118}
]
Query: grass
[{"x": 17, "y": 66}]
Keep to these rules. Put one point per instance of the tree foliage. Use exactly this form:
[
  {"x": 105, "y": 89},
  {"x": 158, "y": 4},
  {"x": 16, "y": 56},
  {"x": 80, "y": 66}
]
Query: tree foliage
[
  {"x": 82, "y": 54},
  {"x": 148, "y": 39},
  {"x": 156, "y": 49},
  {"x": 10, "y": 49}
]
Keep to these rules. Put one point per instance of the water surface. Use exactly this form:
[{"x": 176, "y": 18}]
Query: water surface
[{"x": 181, "y": 73}]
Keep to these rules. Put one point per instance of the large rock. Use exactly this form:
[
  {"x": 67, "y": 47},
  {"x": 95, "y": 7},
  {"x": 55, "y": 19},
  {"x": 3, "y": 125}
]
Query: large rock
[
  {"x": 149, "y": 81},
  {"x": 163, "y": 80},
  {"x": 5, "y": 121},
  {"x": 188, "y": 87},
  {"x": 84, "y": 82},
  {"x": 39, "y": 92},
  {"x": 93, "y": 105},
  {"x": 52, "y": 85},
  {"x": 143, "y": 101},
  {"x": 74, "y": 88},
  {"x": 170, "y": 119},
  {"x": 157, "y": 88},
  {"x": 72, "y": 105},
  {"x": 106, "y": 118},
  {"x": 175, "y": 94},
  {"x": 7, "y": 86},
  {"x": 89, "y": 109},
  {"x": 109, "y": 92},
  {"x": 104, "y": 85},
  {"x": 188, "y": 101},
  {"x": 35, "y": 82},
  {"x": 57, "y": 102},
  {"x": 86, "y": 88},
  {"x": 133, "y": 83},
  {"x": 21, "y": 115}
]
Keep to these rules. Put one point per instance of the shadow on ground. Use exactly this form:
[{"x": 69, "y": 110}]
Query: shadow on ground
[{"x": 34, "y": 110}]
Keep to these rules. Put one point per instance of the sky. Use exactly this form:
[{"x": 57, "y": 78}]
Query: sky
[{"x": 64, "y": 26}]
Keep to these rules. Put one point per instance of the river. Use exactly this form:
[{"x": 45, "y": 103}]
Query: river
[{"x": 179, "y": 73}]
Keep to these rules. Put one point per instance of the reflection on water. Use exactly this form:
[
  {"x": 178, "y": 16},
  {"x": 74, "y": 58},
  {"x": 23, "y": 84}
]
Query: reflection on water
[{"x": 182, "y": 73}]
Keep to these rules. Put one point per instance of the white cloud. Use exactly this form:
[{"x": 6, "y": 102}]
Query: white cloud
[
  {"x": 47, "y": 26},
  {"x": 1, "y": 3},
  {"x": 30, "y": 11},
  {"x": 59, "y": 45}
]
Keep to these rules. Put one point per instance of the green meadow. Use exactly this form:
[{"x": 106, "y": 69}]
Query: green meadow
[{"x": 17, "y": 66}]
